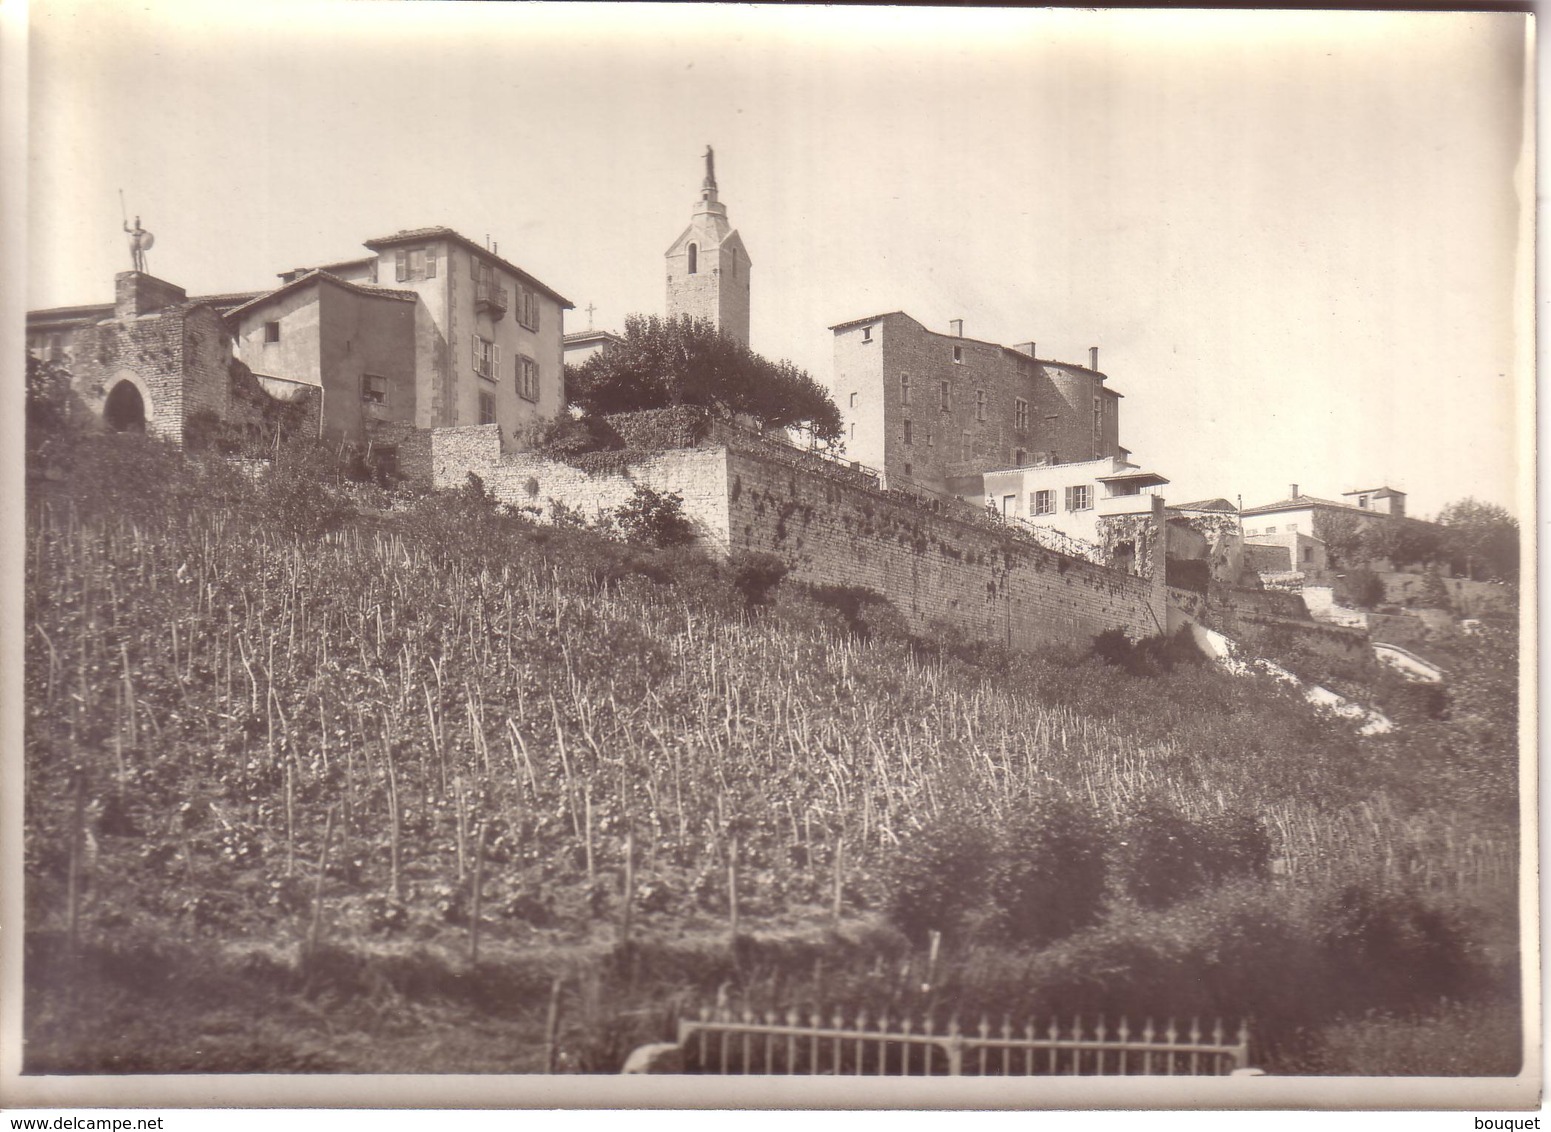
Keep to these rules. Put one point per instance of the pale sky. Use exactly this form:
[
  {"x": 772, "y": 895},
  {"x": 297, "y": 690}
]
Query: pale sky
[{"x": 1294, "y": 237}]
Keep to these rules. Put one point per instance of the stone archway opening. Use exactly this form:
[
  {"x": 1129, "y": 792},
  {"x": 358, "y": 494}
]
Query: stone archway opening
[{"x": 125, "y": 408}]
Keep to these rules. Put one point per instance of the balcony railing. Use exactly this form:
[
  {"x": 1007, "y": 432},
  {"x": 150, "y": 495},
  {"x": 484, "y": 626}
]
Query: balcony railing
[{"x": 490, "y": 297}]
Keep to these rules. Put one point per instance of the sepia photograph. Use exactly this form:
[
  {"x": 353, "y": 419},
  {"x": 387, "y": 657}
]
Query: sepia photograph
[{"x": 631, "y": 555}]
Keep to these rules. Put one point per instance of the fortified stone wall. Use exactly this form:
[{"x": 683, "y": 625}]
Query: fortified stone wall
[
  {"x": 835, "y": 528},
  {"x": 937, "y": 569}
]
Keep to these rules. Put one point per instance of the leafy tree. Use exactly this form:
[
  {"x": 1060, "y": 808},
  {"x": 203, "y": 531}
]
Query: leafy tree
[
  {"x": 1343, "y": 535},
  {"x": 48, "y": 396},
  {"x": 1481, "y": 540},
  {"x": 685, "y": 361},
  {"x": 654, "y": 518}
]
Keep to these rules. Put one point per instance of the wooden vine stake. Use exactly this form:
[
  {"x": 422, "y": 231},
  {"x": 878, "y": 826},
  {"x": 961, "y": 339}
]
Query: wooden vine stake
[
  {"x": 475, "y": 900},
  {"x": 732, "y": 891},
  {"x": 315, "y": 929},
  {"x": 552, "y": 1027},
  {"x": 627, "y": 913},
  {"x": 840, "y": 872},
  {"x": 77, "y": 855}
]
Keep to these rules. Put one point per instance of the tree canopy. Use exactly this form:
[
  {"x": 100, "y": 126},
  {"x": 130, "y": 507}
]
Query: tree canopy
[
  {"x": 1481, "y": 539},
  {"x": 685, "y": 361}
]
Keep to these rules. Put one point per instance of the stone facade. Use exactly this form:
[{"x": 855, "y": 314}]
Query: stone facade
[
  {"x": 939, "y": 408},
  {"x": 944, "y": 569},
  {"x": 158, "y": 361},
  {"x": 708, "y": 267}
]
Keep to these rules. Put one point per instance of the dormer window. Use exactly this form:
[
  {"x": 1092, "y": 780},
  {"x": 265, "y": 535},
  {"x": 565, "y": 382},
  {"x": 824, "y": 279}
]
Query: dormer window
[{"x": 694, "y": 259}]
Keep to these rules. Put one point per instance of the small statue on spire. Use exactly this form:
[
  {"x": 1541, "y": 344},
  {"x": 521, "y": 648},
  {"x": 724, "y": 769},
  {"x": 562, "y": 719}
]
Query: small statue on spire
[{"x": 710, "y": 168}]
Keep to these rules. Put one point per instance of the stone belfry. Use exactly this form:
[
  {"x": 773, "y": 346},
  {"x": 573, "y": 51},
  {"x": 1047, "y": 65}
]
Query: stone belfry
[{"x": 708, "y": 268}]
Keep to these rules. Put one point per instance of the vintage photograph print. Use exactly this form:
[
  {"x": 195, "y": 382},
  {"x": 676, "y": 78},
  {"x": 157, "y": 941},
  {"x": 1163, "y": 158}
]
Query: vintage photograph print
[{"x": 854, "y": 546}]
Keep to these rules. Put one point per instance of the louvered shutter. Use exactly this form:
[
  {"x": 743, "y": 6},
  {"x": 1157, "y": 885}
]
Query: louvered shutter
[
  {"x": 1069, "y": 499},
  {"x": 495, "y": 364},
  {"x": 401, "y": 265},
  {"x": 430, "y": 263},
  {"x": 479, "y": 355}
]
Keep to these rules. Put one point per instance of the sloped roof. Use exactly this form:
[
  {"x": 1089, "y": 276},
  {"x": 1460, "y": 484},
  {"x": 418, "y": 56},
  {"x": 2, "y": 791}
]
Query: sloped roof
[
  {"x": 412, "y": 235},
  {"x": 1301, "y": 503},
  {"x": 1204, "y": 505},
  {"x": 322, "y": 277}
]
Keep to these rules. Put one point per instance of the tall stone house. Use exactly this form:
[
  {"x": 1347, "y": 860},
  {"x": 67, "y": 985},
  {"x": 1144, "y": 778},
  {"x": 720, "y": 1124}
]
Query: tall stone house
[
  {"x": 432, "y": 330},
  {"x": 940, "y": 410},
  {"x": 1300, "y": 524}
]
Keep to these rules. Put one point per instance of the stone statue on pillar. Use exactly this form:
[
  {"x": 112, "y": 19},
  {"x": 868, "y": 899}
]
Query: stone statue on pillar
[{"x": 140, "y": 242}]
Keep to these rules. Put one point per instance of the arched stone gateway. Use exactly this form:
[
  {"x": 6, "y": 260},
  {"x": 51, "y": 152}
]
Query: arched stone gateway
[{"x": 124, "y": 410}]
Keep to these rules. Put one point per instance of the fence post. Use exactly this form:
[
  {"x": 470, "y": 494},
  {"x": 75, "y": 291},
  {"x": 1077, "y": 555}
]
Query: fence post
[{"x": 955, "y": 1048}]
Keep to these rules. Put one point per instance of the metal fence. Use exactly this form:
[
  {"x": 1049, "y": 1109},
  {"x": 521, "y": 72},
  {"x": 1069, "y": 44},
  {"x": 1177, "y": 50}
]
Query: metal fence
[{"x": 723, "y": 1042}]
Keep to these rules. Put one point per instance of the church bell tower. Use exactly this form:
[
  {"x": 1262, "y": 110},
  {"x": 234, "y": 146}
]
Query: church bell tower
[{"x": 707, "y": 266}]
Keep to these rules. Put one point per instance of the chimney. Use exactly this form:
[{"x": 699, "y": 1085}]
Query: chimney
[
  {"x": 1093, "y": 358},
  {"x": 957, "y": 324},
  {"x": 1292, "y": 490}
]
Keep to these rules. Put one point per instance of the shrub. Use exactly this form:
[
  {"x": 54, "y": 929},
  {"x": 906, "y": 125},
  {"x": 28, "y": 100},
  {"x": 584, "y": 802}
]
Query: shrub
[
  {"x": 756, "y": 574},
  {"x": 1047, "y": 877},
  {"x": 1162, "y": 856},
  {"x": 867, "y": 613},
  {"x": 1150, "y": 656},
  {"x": 938, "y": 876},
  {"x": 1392, "y": 948},
  {"x": 654, "y": 518},
  {"x": 294, "y": 498}
]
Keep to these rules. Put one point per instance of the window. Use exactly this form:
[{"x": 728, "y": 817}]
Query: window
[
  {"x": 487, "y": 408},
  {"x": 958, "y": 355},
  {"x": 980, "y": 404},
  {"x": 944, "y": 396},
  {"x": 928, "y": 438},
  {"x": 1251, "y": 534},
  {"x": 866, "y": 334},
  {"x": 1021, "y": 415},
  {"x": 271, "y": 332},
  {"x": 528, "y": 307},
  {"x": 907, "y": 432},
  {"x": 1362, "y": 500},
  {"x": 909, "y": 470},
  {"x": 694, "y": 259},
  {"x": 1043, "y": 502},
  {"x": 1020, "y": 457},
  {"x": 414, "y": 263},
  {"x": 1292, "y": 526},
  {"x": 904, "y": 389},
  {"x": 487, "y": 357},
  {"x": 853, "y": 400},
  {"x": 374, "y": 389},
  {"x": 1270, "y": 530},
  {"x": 853, "y": 430},
  {"x": 1079, "y": 498},
  {"x": 527, "y": 379},
  {"x": 1308, "y": 554}
]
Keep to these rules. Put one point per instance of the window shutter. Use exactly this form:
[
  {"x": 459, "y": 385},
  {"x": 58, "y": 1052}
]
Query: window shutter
[
  {"x": 495, "y": 365},
  {"x": 535, "y": 310},
  {"x": 401, "y": 265},
  {"x": 1069, "y": 499},
  {"x": 479, "y": 355},
  {"x": 474, "y": 266},
  {"x": 430, "y": 263}
]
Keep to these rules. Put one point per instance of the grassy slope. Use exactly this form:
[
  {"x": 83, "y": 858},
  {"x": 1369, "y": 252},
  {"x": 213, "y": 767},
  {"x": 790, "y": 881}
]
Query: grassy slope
[{"x": 225, "y": 689}]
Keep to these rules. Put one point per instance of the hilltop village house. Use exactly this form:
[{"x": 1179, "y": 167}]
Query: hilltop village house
[
  {"x": 1291, "y": 533},
  {"x": 460, "y": 337}
]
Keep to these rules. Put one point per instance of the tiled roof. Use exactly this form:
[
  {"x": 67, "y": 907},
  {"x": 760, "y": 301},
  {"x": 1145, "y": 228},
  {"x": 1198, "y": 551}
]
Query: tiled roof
[
  {"x": 1300, "y": 503},
  {"x": 1204, "y": 505},
  {"x": 321, "y": 276},
  {"x": 410, "y": 235},
  {"x": 869, "y": 318}
]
